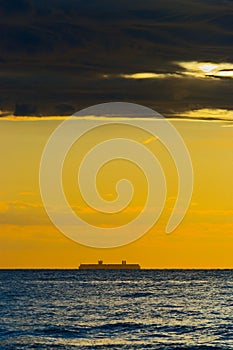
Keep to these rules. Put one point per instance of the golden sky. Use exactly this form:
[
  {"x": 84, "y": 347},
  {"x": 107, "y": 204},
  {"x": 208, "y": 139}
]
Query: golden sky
[{"x": 203, "y": 239}]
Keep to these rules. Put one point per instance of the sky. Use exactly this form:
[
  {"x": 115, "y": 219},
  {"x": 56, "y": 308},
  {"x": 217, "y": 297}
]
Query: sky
[{"x": 58, "y": 57}]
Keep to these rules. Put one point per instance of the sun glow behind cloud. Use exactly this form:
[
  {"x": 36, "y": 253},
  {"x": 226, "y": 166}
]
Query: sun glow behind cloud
[
  {"x": 193, "y": 69},
  {"x": 207, "y": 69}
]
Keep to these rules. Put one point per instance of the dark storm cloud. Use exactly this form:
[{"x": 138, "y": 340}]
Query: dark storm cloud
[{"x": 54, "y": 54}]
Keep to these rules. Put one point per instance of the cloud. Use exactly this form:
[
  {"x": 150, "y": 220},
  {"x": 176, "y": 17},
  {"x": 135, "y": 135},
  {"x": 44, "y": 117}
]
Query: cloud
[
  {"x": 228, "y": 125},
  {"x": 27, "y": 193},
  {"x": 22, "y": 213},
  {"x": 4, "y": 113},
  {"x": 58, "y": 57},
  {"x": 208, "y": 114},
  {"x": 195, "y": 114},
  {"x": 149, "y": 140},
  {"x": 32, "y": 118},
  {"x": 222, "y": 213},
  {"x": 3, "y": 207},
  {"x": 25, "y": 109},
  {"x": 148, "y": 75}
]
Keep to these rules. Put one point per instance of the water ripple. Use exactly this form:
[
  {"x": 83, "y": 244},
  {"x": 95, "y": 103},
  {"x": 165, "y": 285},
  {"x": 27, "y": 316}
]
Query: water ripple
[{"x": 151, "y": 309}]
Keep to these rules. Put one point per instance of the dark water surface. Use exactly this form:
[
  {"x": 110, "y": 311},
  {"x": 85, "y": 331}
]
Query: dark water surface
[{"x": 147, "y": 309}]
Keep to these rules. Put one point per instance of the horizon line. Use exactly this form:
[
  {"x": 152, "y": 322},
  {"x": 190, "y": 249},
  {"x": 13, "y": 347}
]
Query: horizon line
[{"x": 142, "y": 268}]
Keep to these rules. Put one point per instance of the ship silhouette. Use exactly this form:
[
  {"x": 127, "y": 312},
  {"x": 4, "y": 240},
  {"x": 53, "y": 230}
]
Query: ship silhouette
[{"x": 102, "y": 266}]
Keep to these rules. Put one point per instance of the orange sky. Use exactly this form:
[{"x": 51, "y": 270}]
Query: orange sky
[{"x": 203, "y": 239}]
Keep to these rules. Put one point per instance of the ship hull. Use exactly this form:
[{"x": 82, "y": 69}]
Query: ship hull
[{"x": 109, "y": 267}]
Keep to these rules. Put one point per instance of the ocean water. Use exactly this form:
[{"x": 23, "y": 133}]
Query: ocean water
[{"x": 146, "y": 309}]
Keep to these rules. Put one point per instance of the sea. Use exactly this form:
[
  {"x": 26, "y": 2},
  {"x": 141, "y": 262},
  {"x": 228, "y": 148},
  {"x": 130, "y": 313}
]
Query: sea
[{"x": 145, "y": 309}]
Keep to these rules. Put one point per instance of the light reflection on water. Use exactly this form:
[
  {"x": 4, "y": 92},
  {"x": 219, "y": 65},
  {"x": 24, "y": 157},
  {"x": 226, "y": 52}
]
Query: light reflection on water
[{"x": 116, "y": 309}]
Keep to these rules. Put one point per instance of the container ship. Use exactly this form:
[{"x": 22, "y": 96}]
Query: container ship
[{"x": 102, "y": 266}]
